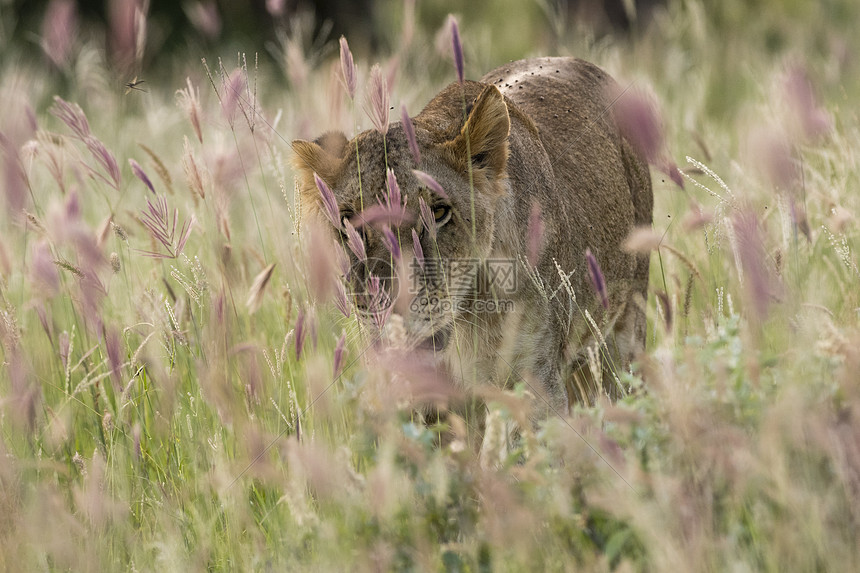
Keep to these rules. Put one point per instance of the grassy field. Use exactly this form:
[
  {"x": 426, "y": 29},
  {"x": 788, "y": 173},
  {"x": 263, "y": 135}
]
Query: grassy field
[{"x": 171, "y": 401}]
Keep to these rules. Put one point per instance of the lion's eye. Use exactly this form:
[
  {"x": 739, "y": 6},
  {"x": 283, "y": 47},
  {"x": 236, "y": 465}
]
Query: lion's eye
[{"x": 441, "y": 213}]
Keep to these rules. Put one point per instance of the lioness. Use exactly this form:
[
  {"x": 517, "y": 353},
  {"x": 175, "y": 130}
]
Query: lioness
[{"x": 535, "y": 172}]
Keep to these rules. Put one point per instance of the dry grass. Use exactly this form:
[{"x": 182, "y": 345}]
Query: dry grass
[{"x": 170, "y": 399}]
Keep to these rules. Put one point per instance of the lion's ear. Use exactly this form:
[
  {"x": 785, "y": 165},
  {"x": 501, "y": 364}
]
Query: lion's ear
[
  {"x": 486, "y": 131},
  {"x": 322, "y": 156}
]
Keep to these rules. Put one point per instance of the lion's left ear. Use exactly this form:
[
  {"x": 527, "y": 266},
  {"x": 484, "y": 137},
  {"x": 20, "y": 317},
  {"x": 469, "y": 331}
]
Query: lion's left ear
[
  {"x": 323, "y": 156},
  {"x": 486, "y": 131}
]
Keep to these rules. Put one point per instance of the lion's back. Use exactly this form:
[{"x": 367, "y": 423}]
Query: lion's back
[
  {"x": 570, "y": 102},
  {"x": 564, "y": 97}
]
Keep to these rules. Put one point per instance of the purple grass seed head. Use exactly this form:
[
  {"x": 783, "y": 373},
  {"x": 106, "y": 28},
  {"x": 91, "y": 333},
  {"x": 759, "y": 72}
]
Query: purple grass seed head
[
  {"x": 377, "y": 100},
  {"x": 300, "y": 333},
  {"x": 813, "y": 120},
  {"x": 536, "y": 231},
  {"x": 417, "y": 249},
  {"x": 72, "y": 115},
  {"x": 341, "y": 300},
  {"x": 59, "y": 29},
  {"x": 428, "y": 222},
  {"x": 379, "y": 215},
  {"x": 330, "y": 208},
  {"x": 389, "y": 239},
  {"x": 597, "y": 279},
  {"x": 347, "y": 66},
  {"x": 409, "y": 130},
  {"x": 640, "y": 122},
  {"x": 140, "y": 174},
  {"x": 393, "y": 196},
  {"x": 458, "y": 48},
  {"x": 761, "y": 283},
  {"x": 427, "y": 181},
  {"x": 354, "y": 242}
]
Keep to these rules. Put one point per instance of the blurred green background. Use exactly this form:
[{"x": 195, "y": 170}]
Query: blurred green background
[{"x": 176, "y": 30}]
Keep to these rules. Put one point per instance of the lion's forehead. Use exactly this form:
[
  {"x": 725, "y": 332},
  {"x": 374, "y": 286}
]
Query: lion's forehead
[
  {"x": 375, "y": 155},
  {"x": 375, "y": 152}
]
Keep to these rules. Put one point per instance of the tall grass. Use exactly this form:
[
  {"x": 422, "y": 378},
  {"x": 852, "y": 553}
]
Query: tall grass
[{"x": 169, "y": 399}]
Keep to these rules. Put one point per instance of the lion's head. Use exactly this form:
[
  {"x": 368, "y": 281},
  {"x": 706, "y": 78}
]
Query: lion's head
[{"x": 411, "y": 242}]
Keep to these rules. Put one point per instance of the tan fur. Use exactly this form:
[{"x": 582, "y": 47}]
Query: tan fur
[{"x": 539, "y": 132}]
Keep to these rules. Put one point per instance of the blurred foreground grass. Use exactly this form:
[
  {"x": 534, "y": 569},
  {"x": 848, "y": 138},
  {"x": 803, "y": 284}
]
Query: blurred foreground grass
[{"x": 164, "y": 412}]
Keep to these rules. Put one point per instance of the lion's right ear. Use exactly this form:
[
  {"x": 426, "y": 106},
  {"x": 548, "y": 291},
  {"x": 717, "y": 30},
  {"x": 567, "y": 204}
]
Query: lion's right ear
[
  {"x": 485, "y": 132},
  {"x": 323, "y": 157}
]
